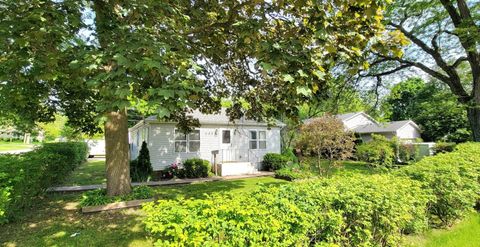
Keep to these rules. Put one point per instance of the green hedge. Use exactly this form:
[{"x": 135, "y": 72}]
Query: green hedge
[
  {"x": 355, "y": 210},
  {"x": 24, "y": 177},
  {"x": 274, "y": 161},
  {"x": 196, "y": 168},
  {"x": 452, "y": 178},
  {"x": 348, "y": 211}
]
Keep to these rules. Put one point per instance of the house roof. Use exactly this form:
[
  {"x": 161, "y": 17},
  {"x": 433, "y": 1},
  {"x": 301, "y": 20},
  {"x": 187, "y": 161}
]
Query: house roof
[
  {"x": 382, "y": 128},
  {"x": 217, "y": 119}
]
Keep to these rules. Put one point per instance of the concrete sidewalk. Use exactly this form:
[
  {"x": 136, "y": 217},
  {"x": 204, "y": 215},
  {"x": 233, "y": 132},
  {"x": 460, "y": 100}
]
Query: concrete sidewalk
[{"x": 159, "y": 183}]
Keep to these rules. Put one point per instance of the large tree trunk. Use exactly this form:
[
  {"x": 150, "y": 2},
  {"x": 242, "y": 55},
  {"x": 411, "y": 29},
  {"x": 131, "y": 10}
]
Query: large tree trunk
[
  {"x": 117, "y": 153},
  {"x": 474, "y": 120}
]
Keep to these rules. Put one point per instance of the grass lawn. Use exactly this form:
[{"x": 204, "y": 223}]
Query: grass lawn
[
  {"x": 53, "y": 220},
  {"x": 11, "y": 146},
  {"x": 91, "y": 172},
  {"x": 464, "y": 234}
]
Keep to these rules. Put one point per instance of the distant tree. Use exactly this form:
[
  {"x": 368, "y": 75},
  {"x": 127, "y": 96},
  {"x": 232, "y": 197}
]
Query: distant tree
[
  {"x": 326, "y": 138},
  {"x": 431, "y": 106},
  {"x": 442, "y": 39}
]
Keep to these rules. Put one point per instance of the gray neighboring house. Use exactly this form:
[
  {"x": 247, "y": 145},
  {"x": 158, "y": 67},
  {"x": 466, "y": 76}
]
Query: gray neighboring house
[
  {"x": 237, "y": 147},
  {"x": 364, "y": 126}
]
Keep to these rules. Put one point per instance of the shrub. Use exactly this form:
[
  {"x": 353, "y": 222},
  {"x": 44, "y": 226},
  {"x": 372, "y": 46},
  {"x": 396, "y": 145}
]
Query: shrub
[
  {"x": 293, "y": 173},
  {"x": 141, "y": 169},
  {"x": 379, "y": 152},
  {"x": 290, "y": 155},
  {"x": 274, "y": 161},
  {"x": 196, "y": 168},
  {"x": 344, "y": 211},
  {"x": 444, "y": 147},
  {"x": 24, "y": 177},
  {"x": 407, "y": 153},
  {"x": 326, "y": 138},
  {"x": 452, "y": 178},
  {"x": 173, "y": 171},
  {"x": 99, "y": 196}
]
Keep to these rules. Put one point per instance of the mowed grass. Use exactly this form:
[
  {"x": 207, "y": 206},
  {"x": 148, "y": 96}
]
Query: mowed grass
[
  {"x": 91, "y": 172},
  {"x": 56, "y": 220},
  {"x": 12, "y": 146},
  {"x": 464, "y": 234}
]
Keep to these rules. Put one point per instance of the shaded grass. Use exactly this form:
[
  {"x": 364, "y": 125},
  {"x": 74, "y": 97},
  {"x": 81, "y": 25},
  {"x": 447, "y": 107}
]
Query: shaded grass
[
  {"x": 53, "y": 220},
  {"x": 465, "y": 234},
  {"x": 11, "y": 146},
  {"x": 91, "y": 172}
]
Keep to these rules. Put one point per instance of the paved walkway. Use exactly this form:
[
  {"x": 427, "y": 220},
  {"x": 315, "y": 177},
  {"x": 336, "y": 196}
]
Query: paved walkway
[{"x": 159, "y": 183}]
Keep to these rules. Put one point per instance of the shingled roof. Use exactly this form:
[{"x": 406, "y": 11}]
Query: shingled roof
[{"x": 219, "y": 118}]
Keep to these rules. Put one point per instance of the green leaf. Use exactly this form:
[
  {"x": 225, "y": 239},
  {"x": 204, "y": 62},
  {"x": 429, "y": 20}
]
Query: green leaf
[{"x": 288, "y": 78}]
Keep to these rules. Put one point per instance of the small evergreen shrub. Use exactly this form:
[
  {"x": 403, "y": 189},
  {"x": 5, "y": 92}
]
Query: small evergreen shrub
[
  {"x": 378, "y": 152},
  {"x": 141, "y": 168},
  {"x": 274, "y": 161},
  {"x": 196, "y": 168}
]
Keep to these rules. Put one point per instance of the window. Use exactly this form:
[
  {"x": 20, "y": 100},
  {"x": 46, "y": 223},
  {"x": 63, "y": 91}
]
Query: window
[
  {"x": 187, "y": 142},
  {"x": 253, "y": 139},
  {"x": 226, "y": 136},
  {"x": 258, "y": 139},
  {"x": 262, "y": 140}
]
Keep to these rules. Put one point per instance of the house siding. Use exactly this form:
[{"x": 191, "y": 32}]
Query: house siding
[
  {"x": 161, "y": 143},
  {"x": 357, "y": 121},
  {"x": 408, "y": 132}
]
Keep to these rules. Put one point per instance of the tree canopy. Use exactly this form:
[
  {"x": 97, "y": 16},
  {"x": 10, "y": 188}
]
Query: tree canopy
[
  {"x": 93, "y": 59},
  {"x": 432, "y": 106},
  {"x": 441, "y": 39}
]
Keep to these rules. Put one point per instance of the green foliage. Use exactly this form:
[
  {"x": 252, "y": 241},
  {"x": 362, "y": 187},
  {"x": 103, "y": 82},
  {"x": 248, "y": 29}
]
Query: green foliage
[
  {"x": 157, "y": 44},
  {"x": 291, "y": 173},
  {"x": 452, "y": 178},
  {"x": 444, "y": 147},
  {"x": 196, "y": 168},
  {"x": 407, "y": 153},
  {"x": 274, "y": 161},
  {"x": 432, "y": 107},
  {"x": 346, "y": 211},
  {"x": 290, "y": 155},
  {"x": 141, "y": 168},
  {"x": 378, "y": 152},
  {"x": 99, "y": 196},
  {"x": 24, "y": 177}
]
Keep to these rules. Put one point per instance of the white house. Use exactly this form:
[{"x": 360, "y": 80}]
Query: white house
[
  {"x": 364, "y": 125},
  {"x": 237, "y": 147}
]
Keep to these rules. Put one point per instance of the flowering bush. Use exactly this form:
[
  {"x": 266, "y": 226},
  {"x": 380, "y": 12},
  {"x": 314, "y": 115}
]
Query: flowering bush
[{"x": 175, "y": 170}]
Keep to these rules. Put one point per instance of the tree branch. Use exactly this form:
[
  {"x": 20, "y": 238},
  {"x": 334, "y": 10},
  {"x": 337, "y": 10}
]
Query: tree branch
[{"x": 459, "y": 61}]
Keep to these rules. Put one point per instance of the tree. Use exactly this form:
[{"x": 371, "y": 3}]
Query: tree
[
  {"x": 443, "y": 36},
  {"x": 94, "y": 59},
  {"x": 433, "y": 107},
  {"x": 326, "y": 137}
]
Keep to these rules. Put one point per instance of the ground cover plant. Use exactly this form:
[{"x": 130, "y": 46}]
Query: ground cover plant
[{"x": 99, "y": 196}]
